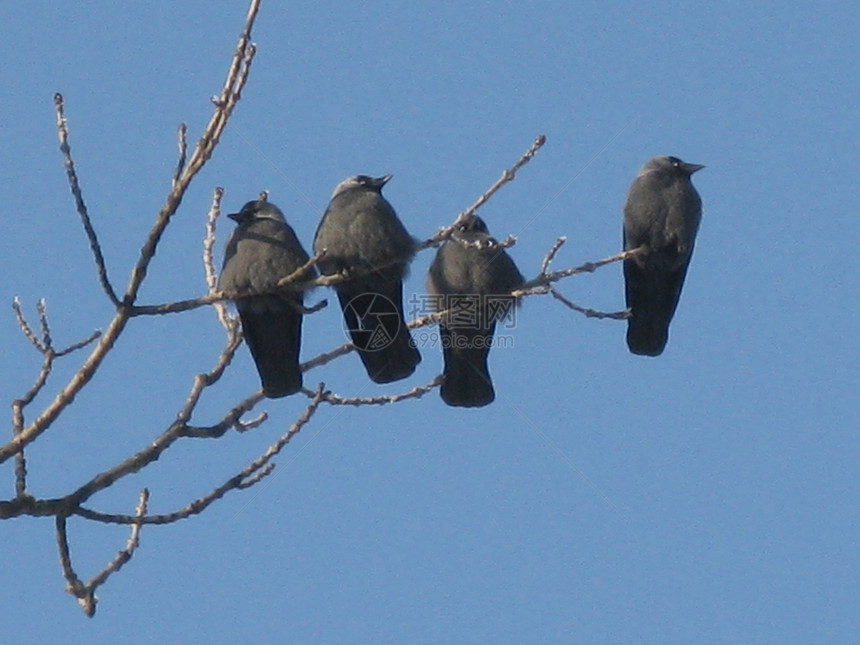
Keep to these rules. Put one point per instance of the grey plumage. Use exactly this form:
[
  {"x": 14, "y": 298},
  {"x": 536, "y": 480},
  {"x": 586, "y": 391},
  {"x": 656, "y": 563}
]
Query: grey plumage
[
  {"x": 662, "y": 213},
  {"x": 471, "y": 276},
  {"x": 262, "y": 250},
  {"x": 362, "y": 235}
]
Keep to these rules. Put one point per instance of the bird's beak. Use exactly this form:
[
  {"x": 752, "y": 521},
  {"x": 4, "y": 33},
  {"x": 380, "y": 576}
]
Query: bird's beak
[
  {"x": 690, "y": 168},
  {"x": 234, "y": 216},
  {"x": 381, "y": 181}
]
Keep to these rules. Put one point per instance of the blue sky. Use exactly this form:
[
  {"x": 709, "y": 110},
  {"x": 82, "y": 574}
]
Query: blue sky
[{"x": 710, "y": 495}]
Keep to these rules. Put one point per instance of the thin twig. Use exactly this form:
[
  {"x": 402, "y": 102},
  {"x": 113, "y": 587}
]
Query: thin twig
[
  {"x": 182, "y": 144},
  {"x": 530, "y": 287},
  {"x": 508, "y": 175},
  {"x": 244, "y": 426},
  {"x": 79, "y": 345},
  {"x": 327, "y": 357},
  {"x": 428, "y": 319},
  {"x": 232, "y": 419},
  {"x": 228, "y": 322},
  {"x": 42, "y": 310},
  {"x": 589, "y": 313},
  {"x": 204, "y": 380},
  {"x": 550, "y": 255},
  {"x": 486, "y": 245},
  {"x": 25, "y": 326},
  {"x": 300, "y": 273},
  {"x": 131, "y": 544},
  {"x": 209, "y": 240},
  {"x": 73, "y": 584},
  {"x": 415, "y": 393},
  {"x": 95, "y": 247}
]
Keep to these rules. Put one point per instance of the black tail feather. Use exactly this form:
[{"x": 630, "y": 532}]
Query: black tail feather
[
  {"x": 652, "y": 296},
  {"x": 373, "y": 315},
  {"x": 273, "y": 331},
  {"x": 466, "y": 381}
]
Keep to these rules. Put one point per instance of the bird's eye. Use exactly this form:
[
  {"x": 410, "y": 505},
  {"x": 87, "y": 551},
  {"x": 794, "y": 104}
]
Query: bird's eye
[{"x": 675, "y": 161}]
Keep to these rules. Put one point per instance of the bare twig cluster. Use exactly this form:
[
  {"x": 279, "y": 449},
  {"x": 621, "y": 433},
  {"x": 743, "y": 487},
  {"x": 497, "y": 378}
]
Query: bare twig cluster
[{"x": 127, "y": 308}]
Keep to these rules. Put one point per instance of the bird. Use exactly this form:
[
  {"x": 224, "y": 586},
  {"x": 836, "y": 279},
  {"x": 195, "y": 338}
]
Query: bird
[
  {"x": 362, "y": 239},
  {"x": 661, "y": 215},
  {"x": 261, "y": 250},
  {"x": 472, "y": 277}
]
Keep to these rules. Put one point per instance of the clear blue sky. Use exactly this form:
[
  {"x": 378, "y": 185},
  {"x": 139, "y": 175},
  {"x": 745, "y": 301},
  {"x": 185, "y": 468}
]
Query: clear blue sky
[{"x": 708, "y": 496}]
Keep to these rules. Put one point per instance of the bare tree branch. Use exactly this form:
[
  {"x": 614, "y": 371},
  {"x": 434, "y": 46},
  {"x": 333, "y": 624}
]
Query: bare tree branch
[
  {"x": 178, "y": 429},
  {"x": 86, "y": 593},
  {"x": 73, "y": 584},
  {"x": 182, "y": 427},
  {"x": 295, "y": 281},
  {"x": 230, "y": 93},
  {"x": 248, "y": 476},
  {"x": 133, "y": 540},
  {"x": 209, "y": 240},
  {"x": 45, "y": 347},
  {"x": 237, "y": 75}
]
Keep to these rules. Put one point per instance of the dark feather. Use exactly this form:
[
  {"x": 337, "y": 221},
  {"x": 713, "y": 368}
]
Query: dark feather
[
  {"x": 373, "y": 315},
  {"x": 273, "y": 332},
  {"x": 467, "y": 381},
  {"x": 652, "y": 295}
]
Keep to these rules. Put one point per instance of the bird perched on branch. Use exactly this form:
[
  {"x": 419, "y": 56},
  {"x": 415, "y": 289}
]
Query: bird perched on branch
[
  {"x": 471, "y": 277},
  {"x": 364, "y": 240},
  {"x": 262, "y": 250},
  {"x": 662, "y": 216}
]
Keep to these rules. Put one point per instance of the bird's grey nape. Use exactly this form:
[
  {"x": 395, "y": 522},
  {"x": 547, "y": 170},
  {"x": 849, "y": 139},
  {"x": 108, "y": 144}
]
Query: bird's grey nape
[
  {"x": 361, "y": 181},
  {"x": 668, "y": 163}
]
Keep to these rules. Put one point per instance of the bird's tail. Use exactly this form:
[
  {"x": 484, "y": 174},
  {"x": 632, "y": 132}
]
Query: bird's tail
[
  {"x": 373, "y": 316},
  {"x": 274, "y": 335},
  {"x": 466, "y": 381},
  {"x": 652, "y": 296}
]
